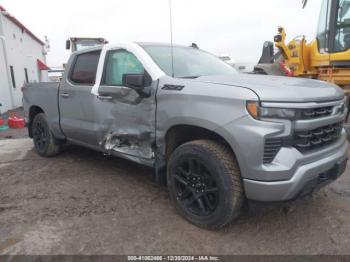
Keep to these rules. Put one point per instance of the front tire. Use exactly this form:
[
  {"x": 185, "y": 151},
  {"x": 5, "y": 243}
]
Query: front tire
[
  {"x": 44, "y": 141},
  {"x": 205, "y": 184}
]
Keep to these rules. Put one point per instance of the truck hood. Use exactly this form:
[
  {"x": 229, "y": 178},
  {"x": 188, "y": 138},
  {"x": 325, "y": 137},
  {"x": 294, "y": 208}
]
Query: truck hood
[{"x": 281, "y": 89}]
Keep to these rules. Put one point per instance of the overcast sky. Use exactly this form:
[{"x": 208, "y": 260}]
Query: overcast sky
[{"x": 224, "y": 27}]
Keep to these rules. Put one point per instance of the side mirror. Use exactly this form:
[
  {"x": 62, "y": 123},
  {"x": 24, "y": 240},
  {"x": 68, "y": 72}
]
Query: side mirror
[
  {"x": 138, "y": 82},
  {"x": 68, "y": 44}
]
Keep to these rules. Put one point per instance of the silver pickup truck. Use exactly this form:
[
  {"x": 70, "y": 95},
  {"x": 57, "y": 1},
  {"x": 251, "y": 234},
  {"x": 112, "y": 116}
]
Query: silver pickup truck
[{"x": 215, "y": 136}]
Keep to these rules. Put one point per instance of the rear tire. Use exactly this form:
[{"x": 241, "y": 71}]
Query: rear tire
[
  {"x": 45, "y": 143},
  {"x": 205, "y": 184}
]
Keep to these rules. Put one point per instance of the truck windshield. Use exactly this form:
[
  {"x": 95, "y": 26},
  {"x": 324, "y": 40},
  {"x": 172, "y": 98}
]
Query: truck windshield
[
  {"x": 82, "y": 44},
  {"x": 189, "y": 62}
]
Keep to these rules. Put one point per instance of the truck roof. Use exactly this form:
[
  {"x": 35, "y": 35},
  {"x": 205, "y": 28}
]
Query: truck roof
[
  {"x": 159, "y": 44},
  {"x": 128, "y": 44}
]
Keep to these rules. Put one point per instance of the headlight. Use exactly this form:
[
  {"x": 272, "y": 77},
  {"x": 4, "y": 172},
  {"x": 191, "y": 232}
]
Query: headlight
[
  {"x": 258, "y": 112},
  {"x": 283, "y": 113}
]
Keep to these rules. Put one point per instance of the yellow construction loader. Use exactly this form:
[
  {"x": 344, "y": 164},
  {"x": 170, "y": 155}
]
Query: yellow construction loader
[{"x": 326, "y": 58}]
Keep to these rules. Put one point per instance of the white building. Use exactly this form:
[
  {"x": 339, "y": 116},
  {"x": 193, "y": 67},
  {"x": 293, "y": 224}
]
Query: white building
[{"x": 22, "y": 60}]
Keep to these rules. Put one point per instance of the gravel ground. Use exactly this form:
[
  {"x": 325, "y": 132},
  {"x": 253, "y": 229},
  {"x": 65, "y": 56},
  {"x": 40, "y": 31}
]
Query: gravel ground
[{"x": 82, "y": 202}]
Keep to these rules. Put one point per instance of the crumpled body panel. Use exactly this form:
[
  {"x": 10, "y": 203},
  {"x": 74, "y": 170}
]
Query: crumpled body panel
[{"x": 126, "y": 125}]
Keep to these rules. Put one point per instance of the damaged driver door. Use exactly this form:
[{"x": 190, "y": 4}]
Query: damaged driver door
[{"x": 125, "y": 108}]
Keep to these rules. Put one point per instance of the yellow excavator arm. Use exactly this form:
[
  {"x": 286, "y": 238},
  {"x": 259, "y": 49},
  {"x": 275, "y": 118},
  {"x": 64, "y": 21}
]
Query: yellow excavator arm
[
  {"x": 295, "y": 54},
  {"x": 304, "y": 59}
]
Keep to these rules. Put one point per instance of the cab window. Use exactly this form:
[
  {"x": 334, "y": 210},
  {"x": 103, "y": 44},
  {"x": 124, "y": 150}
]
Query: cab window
[
  {"x": 342, "y": 33},
  {"x": 85, "y": 68},
  {"x": 323, "y": 26},
  {"x": 118, "y": 63}
]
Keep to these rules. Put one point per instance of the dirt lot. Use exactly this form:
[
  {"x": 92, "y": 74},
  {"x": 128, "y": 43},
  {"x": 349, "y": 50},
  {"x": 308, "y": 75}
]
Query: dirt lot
[{"x": 83, "y": 202}]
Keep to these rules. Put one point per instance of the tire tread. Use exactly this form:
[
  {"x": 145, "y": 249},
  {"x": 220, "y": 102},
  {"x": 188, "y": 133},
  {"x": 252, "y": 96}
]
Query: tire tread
[
  {"x": 54, "y": 147},
  {"x": 229, "y": 166}
]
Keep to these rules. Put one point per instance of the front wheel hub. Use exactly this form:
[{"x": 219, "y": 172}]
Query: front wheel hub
[{"x": 196, "y": 187}]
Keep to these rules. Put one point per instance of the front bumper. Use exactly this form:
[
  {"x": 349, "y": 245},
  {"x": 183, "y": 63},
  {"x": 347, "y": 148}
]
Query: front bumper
[{"x": 305, "y": 178}]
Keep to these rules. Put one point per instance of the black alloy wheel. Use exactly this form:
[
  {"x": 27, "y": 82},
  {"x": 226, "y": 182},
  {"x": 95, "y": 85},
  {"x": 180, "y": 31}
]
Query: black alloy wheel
[
  {"x": 40, "y": 136},
  {"x": 205, "y": 183},
  {"x": 196, "y": 188},
  {"x": 45, "y": 143}
]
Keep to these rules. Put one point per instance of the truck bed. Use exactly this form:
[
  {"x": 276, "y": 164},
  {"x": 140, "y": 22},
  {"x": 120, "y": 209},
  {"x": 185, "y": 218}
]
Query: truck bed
[{"x": 42, "y": 96}]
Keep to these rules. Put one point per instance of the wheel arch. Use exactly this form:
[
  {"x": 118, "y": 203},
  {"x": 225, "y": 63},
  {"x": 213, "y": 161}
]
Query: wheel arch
[
  {"x": 180, "y": 134},
  {"x": 33, "y": 111}
]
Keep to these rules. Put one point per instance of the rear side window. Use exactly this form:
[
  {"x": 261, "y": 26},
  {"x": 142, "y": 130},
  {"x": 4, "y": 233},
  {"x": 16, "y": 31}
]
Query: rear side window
[{"x": 85, "y": 68}]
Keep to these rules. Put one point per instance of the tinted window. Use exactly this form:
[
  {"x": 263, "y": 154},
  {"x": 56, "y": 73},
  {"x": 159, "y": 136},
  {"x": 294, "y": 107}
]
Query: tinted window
[
  {"x": 118, "y": 63},
  {"x": 85, "y": 68}
]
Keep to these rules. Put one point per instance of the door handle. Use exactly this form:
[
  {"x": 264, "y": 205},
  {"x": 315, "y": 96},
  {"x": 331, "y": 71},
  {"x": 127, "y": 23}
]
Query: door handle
[
  {"x": 105, "y": 98},
  {"x": 65, "y": 95}
]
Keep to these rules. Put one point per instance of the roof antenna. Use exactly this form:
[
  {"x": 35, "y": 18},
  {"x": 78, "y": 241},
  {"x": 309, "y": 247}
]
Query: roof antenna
[{"x": 171, "y": 40}]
